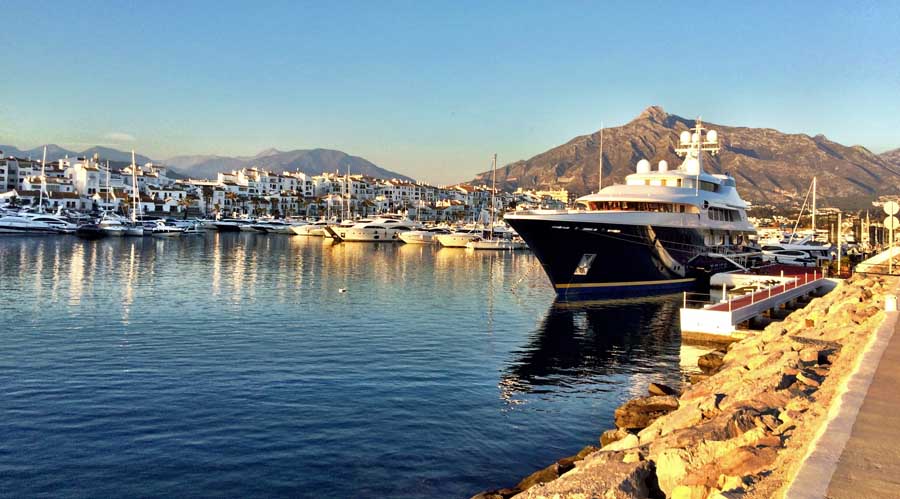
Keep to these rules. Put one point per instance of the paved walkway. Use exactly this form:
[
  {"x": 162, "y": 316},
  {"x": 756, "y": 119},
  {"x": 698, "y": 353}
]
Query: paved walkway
[{"x": 869, "y": 466}]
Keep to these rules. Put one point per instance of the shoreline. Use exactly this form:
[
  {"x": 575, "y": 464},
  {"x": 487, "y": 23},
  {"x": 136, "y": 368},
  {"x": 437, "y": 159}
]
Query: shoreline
[{"x": 746, "y": 427}]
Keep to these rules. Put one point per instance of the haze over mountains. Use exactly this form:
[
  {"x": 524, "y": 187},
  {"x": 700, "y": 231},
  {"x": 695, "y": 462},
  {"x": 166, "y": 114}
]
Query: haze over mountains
[
  {"x": 312, "y": 161},
  {"x": 55, "y": 152},
  {"x": 309, "y": 161},
  {"x": 770, "y": 167}
]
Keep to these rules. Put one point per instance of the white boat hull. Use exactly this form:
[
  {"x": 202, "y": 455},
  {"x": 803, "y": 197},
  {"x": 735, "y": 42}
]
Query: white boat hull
[
  {"x": 418, "y": 237},
  {"x": 496, "y": 244},
  {"x": 456, "y": 240}
]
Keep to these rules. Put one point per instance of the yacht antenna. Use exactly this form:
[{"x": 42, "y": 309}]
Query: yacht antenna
[{"x": 692, "y": 146}]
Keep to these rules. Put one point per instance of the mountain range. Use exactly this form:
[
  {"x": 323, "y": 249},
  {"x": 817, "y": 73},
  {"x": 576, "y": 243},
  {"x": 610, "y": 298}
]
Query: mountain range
[
  {"x": 771, "y": 167},
  {"x": 311, "y": 162},
  {"x": 55, "y": 152}
]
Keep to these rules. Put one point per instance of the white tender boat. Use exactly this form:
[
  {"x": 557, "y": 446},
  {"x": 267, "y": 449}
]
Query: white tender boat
[
  {"x": 316, "y": 229},
  {"x": 496, "y": 244},
  {"x": 458, "y": 239},
  {"x": 424, "y": 236},
  {"x": 163, "y": 230}
]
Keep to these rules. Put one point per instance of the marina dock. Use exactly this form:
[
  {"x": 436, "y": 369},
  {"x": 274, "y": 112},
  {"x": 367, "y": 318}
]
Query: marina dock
[{"x": 752, "y": 294}]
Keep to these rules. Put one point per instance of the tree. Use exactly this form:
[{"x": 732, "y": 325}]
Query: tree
[
  {"x": 185, "y": 203},
  {"x": 207, "y": 191},
  {"x": 232, "y": 197}
]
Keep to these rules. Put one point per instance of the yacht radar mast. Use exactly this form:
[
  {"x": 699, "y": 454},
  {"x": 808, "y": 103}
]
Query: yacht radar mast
[{"x": 692, "y": 146}]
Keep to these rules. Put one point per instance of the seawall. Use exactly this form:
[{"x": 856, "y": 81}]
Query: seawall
[{"x": 741, "y": 431}]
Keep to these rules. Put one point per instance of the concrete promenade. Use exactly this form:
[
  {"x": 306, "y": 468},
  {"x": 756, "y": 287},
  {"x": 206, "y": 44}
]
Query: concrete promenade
[{"x": 869, "y": 466}]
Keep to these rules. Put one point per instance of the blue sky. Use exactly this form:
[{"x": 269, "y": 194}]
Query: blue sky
[{"x": 432, "y": 88}]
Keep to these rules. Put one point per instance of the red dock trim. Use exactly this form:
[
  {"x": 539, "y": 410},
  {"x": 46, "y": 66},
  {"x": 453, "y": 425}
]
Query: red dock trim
[{"x": 803, "y": 274}]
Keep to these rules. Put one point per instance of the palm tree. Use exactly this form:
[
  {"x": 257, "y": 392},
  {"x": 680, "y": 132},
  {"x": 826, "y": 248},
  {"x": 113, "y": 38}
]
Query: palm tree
[
  {"x": 185, "y": 203},
  {"x": 207, "y": 193},
  {"x": 232, "y": 197}
]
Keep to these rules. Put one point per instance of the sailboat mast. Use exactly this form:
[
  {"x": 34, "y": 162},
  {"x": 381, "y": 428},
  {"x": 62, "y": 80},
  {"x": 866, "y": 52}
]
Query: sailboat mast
[
  {"x": 493, "y": 192},
  {"x": 600, "y": 180},
  {"x": 107, "y": 185},
  {"x": 43, "y": 181},
  {"x": 134, "y": 195},
  {"x": 814, "y": 209}
]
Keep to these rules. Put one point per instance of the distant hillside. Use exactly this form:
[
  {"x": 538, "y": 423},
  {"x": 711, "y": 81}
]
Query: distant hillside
[
  {"x": 769, "y": 166},
  {"x": 892, "y": 157},
  {"x": 312, "y": 162},
  {"x": 55, "y": 152}
]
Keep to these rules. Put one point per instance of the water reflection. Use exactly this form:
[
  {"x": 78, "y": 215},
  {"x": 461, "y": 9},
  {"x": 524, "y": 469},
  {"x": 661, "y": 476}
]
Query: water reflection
[
  {"x": 585, "y": 344},
  {"x": 243, "y": 342}
]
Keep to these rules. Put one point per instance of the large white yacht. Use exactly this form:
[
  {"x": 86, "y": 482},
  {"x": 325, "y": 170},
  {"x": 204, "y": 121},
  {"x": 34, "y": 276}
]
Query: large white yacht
[
  {"x": 663, "y": 231},
  {"x": 15, "y": 224},
  {"x": 59, "y": 223},
  {"x": 376, "y": 230}
]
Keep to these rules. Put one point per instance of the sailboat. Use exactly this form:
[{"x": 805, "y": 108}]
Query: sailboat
[
  {"x": 492, "y": 243},
  {"x": 135, "y": 228},
  {"x": 110, "y": 223}
]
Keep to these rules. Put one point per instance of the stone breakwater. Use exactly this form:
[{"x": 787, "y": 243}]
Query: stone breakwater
[{"x": 742, "y": 429}]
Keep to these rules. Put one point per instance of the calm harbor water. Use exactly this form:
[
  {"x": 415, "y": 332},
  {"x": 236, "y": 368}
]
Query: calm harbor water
[{"x": 230, "y": 365}]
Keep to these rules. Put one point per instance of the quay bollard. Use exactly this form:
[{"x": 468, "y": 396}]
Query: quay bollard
[{"x": 890, "y": 303}]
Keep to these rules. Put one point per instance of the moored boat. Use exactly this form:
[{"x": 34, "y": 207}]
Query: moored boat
[
  {"x": 458, "y": 239},
  {"x": 380, "y": 229},
  {"x": 423, "y": 236},
  {"x": 111, "y": 225},
  {"x": 496, "y": 244},
  {"x": 164, "y": 230},
  {"x": 230, "y": 224},
  {"x": 14, "y": 224},
  {"x": 91, "y": 231},
  {"x": 663, "y": 231}
]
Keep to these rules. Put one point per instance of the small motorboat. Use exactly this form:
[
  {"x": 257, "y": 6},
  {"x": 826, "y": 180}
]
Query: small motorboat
[
  {"x": 496, "y": 244},
  {"x": 195, "y": 229},
  {"x": 163, "y": 230}
]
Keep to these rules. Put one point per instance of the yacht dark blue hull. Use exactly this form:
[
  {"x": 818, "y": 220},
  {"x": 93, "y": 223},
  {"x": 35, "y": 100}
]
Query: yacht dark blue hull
[{"x": 599, "y": 261}]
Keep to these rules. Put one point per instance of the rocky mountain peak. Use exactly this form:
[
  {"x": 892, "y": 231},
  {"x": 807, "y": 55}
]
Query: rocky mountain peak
[
  {"x": 655, "y": 114},
  {"x": 770, "y": 167}
]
